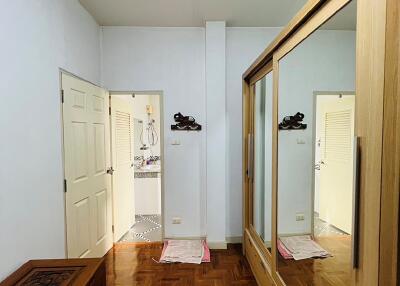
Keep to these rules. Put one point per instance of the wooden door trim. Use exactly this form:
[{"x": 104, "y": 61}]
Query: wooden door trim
[
  {"x": 326, "y": 12},
  {"x": 275, "y": 277},
  {"x": 389, "y": 222},
  {"x": 299, "y": 19},
  {"x": 245, "y": 132},
  {"x": 261, "y": 73},
  {"x": 248, "y": 203},
  {"x": 371, "y": 26}
]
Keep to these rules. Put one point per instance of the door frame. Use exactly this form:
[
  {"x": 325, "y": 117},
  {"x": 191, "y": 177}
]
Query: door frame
[
  {"x": 160, "y": 93},
  {"x": 315, "y": 96}
]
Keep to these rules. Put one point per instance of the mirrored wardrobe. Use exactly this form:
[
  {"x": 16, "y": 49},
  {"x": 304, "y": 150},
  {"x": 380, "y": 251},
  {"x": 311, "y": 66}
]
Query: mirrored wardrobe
[
  {"x": 316, "y": 153},
  {"x": 312, "y": 136},
  {"x": 261, "y": 140}
]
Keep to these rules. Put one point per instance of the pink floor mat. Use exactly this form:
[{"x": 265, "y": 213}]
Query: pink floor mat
[
  {"x": 206, "y": 255},
  {"x": 284, "y": 251}
]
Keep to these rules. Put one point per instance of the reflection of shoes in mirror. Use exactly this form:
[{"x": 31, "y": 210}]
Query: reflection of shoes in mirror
[{"x": 293, "y": 122}]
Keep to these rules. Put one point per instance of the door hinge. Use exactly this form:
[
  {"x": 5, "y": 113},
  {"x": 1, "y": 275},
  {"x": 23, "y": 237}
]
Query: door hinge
[
  {"x": 62, "y": 96},
  {"x": 65, "y": 185},
  {"x": 112, "y": 228},
  {"x": 109, "y": 110}
]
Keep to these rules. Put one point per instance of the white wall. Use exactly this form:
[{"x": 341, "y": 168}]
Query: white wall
[
  {"x": 323, "y": 62},
  {"x": 171, "y": 60},
  {"x": 216, "y": 129},
  {"x": 243, "y": 46},
  {"x": 157, "y": 59},
  {"x": 37, "y": 38}
]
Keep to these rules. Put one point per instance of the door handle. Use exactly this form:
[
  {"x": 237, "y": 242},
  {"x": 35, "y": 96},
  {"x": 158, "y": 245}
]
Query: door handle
[
  {"x": 355, "y": 238},
  {"x": 249, "y": 156},
  {"x": 110, "y": 171}
]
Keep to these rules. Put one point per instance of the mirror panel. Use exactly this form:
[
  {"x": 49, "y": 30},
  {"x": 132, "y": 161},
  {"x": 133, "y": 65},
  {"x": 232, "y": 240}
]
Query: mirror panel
[
  {"x": 262, "y": 185},
  {"x": 316, "y": 107}
]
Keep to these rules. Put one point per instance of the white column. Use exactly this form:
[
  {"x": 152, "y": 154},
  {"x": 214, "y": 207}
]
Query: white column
[{"x": 216, "y": 131}]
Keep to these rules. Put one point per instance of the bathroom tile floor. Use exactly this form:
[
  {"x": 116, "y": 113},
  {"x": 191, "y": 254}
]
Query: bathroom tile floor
[
  {"x": 147, "y": 228},
  {"x": 322, "y": 228}
]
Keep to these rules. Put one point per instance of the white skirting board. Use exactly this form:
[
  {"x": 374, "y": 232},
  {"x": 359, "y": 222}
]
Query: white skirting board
[
  {"x": 234, "y": 239},
  {"x": 217, "y": 244},
  {"x": 214, "y": 244}
]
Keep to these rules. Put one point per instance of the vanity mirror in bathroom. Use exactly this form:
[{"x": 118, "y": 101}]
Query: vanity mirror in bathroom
[
  {"x": 315, "y": 164},
  {"x": 261, "y": 137}
]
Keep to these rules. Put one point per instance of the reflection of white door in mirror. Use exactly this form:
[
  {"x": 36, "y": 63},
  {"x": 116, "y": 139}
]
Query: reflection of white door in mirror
[{"x": 335, "y": 128}]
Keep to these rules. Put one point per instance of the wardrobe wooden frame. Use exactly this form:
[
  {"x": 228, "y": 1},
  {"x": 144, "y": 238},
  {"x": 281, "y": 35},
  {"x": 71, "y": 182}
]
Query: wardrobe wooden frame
[
  {"x": 265, "y": 70},
  {"x": 377, "y": 90}
]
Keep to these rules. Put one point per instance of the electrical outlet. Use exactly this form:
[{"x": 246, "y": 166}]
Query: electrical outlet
[
  {"x": 176, "y": 220},
  {"x": 299, "y": 217},
  {"x": 301, "y": 141}
]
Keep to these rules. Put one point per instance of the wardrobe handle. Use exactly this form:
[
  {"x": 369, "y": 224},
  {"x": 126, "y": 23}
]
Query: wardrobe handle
[
  {"x": 250, "y": 156},
  {"x": 356, "y": 203}
]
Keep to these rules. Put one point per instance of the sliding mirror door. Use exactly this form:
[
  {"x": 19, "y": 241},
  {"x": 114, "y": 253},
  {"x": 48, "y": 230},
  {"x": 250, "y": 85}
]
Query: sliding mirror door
[
  {"x": 316, "y": 209},
  {"x": 262, "y": 166}
]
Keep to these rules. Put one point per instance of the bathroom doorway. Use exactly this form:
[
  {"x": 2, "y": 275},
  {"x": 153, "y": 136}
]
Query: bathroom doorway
[
  {"x": 136, "y": 120},
  {"x": 333, "y": 163}
]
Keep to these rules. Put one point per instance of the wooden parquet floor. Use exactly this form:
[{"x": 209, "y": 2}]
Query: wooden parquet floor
[
  {"x": 130, "y": 264},
  {"x": 332, "y": 271}
]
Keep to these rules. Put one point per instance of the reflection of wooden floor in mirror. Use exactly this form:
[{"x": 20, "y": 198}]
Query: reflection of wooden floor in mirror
[{"x": 334, "y": 270}]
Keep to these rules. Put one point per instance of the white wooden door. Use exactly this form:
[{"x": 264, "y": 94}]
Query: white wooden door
[
  {"x": 336, "y": 170},
  {"x": 122, "y": 161},
  {"x": 86, "y": 158}
]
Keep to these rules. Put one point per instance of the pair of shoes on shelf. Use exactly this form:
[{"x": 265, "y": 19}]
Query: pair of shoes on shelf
[
  {"x": 293, "y": 122},
  {"x": 185, "y": 123}
]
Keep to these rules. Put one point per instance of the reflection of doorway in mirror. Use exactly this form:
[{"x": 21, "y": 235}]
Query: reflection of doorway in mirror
[{"x": 333, "y": 160}]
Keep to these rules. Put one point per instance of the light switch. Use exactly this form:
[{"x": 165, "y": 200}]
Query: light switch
[{"x": 175, "y": 142}]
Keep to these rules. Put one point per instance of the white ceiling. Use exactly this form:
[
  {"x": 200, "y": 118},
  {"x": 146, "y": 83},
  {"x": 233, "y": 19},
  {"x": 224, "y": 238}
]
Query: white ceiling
[{"x": 194, "y": 13}]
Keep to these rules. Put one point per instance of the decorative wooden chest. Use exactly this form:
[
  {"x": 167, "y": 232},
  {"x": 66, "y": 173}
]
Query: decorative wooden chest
[{"x": 59, "y": 272}]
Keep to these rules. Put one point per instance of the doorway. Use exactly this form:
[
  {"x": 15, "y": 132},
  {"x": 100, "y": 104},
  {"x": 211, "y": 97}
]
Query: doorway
[
  {"x": 107, "y": 149},
  {"x": 136, "y": 132},
  {"x": 333, "y": 163}
]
